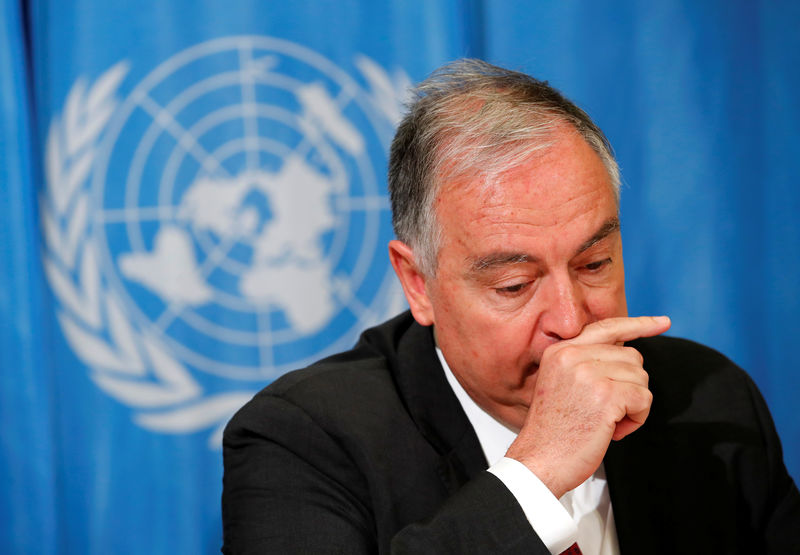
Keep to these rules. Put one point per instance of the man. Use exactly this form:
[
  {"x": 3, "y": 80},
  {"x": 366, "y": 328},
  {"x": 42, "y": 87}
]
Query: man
[{"x": 517, "y": 355}]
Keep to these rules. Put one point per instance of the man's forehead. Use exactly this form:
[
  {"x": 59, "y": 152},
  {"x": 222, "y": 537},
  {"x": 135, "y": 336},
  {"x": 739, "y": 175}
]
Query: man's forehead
[{"x": 564, "y": 145}]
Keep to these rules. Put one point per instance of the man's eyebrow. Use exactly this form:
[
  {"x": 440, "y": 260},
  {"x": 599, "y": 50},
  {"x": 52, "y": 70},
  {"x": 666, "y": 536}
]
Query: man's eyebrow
[
  {"x": 496, "y": 259},
  {"x": 507, "y": 258},
  {"x": 605, "y": 230}
]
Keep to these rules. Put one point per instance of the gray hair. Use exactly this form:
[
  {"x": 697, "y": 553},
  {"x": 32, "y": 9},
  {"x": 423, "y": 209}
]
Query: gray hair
[{"x": 470, "y": 119}]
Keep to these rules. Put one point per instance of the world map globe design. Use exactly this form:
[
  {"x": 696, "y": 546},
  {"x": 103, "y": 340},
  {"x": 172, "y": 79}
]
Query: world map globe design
[{"x": 243, "y": 217}]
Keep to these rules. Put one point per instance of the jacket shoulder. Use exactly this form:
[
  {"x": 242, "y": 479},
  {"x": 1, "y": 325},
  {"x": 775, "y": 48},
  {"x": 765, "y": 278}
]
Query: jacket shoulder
[
  {"x": 690, "y": 382},
  {"x": 336, "y": 389},
  {"x": 680, "y": 360}
]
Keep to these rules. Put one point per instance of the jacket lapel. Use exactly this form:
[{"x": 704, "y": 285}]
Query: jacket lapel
[
  {"x": 633, "y": 483},
  {"x": 434, "y": 407}
]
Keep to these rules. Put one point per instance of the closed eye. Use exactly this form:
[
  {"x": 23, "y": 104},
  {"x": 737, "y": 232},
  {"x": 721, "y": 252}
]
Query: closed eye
[
  {"x": 512, "y": 289},
  {"x": 594, "y": 266}
]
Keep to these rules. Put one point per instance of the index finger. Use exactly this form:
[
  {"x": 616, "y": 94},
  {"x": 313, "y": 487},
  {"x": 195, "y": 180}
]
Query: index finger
[{"x": 616, "y": 330}]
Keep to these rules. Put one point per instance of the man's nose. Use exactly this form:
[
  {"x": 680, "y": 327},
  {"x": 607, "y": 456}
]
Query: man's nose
[{"x": 565, "y": 314}]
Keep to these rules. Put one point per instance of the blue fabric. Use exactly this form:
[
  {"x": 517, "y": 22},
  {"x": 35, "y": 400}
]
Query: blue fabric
[
  {"x": 117, "y": 375},
  {"x": 28, "y": 500}
]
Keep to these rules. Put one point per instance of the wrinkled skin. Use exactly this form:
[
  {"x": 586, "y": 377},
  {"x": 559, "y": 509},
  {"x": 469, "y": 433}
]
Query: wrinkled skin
[{"x": 528, "y": 307}]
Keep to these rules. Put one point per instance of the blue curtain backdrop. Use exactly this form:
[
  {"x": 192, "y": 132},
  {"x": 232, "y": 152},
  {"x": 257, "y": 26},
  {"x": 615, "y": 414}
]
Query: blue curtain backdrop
[{"x": 192, "y": 202}]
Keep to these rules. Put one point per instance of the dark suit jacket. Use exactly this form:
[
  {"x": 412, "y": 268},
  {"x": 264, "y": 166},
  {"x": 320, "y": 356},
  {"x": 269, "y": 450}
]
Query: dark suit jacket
[{"x": 370, "y": 451}]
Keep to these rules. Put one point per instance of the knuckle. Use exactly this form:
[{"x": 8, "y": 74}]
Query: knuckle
[
  {"x": 565, "y": 356},
  {"x": 640, "y": 402},
  {"x": 585, "y": 371},
  {"x": 639, "y": 375},
  {"x": 634, "y": 354}
]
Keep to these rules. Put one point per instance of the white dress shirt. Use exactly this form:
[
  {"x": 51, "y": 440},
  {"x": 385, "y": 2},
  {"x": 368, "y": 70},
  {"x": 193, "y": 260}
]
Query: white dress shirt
[{"x": 583, "y": 514}]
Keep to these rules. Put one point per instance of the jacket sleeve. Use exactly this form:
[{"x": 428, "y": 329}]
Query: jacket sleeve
[
  {"x": 482, "y": 517},
  {"x": 289, "y": 487}
]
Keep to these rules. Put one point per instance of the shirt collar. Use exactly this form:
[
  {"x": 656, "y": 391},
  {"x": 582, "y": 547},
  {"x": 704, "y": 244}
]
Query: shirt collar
[{"x": 493, "y": 436}]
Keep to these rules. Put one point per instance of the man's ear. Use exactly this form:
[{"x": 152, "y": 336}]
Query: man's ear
[{"x": 412, "y": 280}]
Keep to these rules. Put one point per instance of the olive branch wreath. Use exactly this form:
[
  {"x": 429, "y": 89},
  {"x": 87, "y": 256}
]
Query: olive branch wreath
[{"x": 128, "y": 363}]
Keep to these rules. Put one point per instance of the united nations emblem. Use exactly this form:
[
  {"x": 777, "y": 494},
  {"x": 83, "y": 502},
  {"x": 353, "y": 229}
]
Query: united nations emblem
[{"x": 224, "y": 223}]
